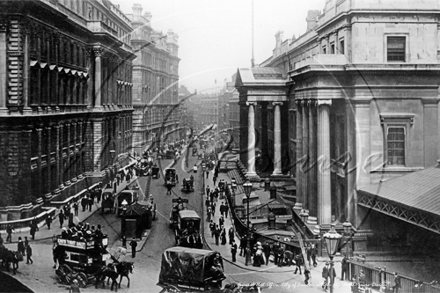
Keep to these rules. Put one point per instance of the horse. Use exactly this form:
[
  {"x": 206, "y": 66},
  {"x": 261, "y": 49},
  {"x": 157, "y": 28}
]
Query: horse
[
  {"x": 110, "y": 272},
  {"x": 124, "y": 269},
  {"x": 9, "y": 257}
]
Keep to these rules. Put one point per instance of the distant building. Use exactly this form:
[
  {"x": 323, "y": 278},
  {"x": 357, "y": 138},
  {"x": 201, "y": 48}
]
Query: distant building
[
  {"x": 155, "y": 83},
  {"x": 65, "y": 99},
  {"x": 349, "y": 104}
]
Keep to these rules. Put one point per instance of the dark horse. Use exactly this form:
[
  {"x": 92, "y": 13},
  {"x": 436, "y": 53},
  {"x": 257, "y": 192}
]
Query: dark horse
[
  {"x": 124, "y": 269},
  {"x": 110, "y": 272},
  {"x": 7, "y": 256}
]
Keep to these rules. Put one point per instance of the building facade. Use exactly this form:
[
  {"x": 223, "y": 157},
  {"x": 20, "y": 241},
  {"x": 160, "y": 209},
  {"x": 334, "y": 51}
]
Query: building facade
[
  {"x": 356, "y": 97},
  {"x": 155, "y": 83},
  {"x": 65, "y": 99}
]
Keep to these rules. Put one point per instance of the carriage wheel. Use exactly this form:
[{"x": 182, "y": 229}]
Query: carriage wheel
[
  {"x": 64, "y": 274},
  {"x": 82, "y": 280}
]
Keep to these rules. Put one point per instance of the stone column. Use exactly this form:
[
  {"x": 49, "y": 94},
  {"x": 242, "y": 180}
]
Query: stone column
[
  {"x": 58, "y": 147},
  {"x": 39, "y": 168},
  {"x": 305, "y": 152},
  {"x": 312, "y": 159},
  {"x": 251, "y": 140},
  {"x": 350, "y": 170},
  {"x": 277, "y": 138},
  {"x": 324, "y": 182},
  {"x": 98, "y": 76},
  {"x": 3, "y": 67},
  {"x": 299, "y": 193},
  {"x": 48, "y": 158}
]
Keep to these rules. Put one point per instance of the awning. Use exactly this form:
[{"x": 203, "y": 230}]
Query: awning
[{"x": 413, "y": 198}]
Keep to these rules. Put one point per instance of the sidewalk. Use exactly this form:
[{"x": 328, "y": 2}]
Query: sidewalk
[
  {"x": 44, "y": 233},
  {"x": 225, "y": 250}
]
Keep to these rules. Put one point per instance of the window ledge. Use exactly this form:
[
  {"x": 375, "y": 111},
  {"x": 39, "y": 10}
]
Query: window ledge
[{"x": 397, "y": 169}]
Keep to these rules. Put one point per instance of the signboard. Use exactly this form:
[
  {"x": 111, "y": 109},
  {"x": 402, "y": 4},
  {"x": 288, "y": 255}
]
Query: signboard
[{"x": 75, "y": 244}]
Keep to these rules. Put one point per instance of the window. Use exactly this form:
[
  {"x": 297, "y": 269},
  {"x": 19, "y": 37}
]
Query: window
[
  {"x": 396, "y": 48},
  {"x": 332, "y": 48},
  {"x": 341, "y": 46},
  {"x": 324, "y": 50},
  {"x": 395, "y": 145}
]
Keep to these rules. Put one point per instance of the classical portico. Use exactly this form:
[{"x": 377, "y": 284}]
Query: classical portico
[{"x": 263, "y": 87}]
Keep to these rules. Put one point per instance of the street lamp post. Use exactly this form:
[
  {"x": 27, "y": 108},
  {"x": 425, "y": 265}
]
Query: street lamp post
[
  {"x": 247, "y": 190},
  {"x": 332, "y": 239},
  {"x": 347, "y": 231}
]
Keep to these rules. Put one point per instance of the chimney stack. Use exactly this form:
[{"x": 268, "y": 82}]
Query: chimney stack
[{"x": 312, "y": 19}]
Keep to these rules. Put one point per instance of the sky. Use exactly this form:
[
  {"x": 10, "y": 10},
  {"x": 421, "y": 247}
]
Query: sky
[{"x": 215, "y": 36}]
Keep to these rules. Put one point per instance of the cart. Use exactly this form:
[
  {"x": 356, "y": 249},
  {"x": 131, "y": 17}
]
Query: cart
[
  {"x": 178, "y": 205},
  {"x": 108, "y": 200}
]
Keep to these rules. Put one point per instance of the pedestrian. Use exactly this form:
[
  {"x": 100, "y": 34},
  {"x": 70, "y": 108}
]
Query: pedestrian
[
  {"x": 20, "y": 246},
  {"x": 298, "y": 263},
  {"x": 211, "y": 196},
  {"x": 207, "y": 201},
  {"x": 397, "y": 283},
  {"x": 133, "y": 245},
  {"x": 226, "y": 210},
  {"x": 71, "y": 224},
  {"x": 213, "y": 208},
  {"x": 214, "y": 179},
  {"x": 90, "y": 203},
  {"x": 222, "y": 209},
  {"x": 84, "y": 203},
  {"x": 223, "y": 235},
  {"x": 221, "y": 221},
  {"x": 266, "y": 251},
  {"x": 124, "y": 241},
  {"x": 217, "y": 234},
  {"x": 234, "y": 251},
  {"x": 76, "y": 207},
  {"x": 207, "y": 174},
  {"x": 243, "y": 244},
  {"x": 48, "y": 221},
  {"x": 1, "y": 240},
  {"x": 35, "y": 224},
  {"x": 207, "y": 190},
  {"x": 195, "y": 168},
  {"x": 212, "y": 228},
  {"x": 313, "y": 254},
  {"x": 26, "y": 243},
  {"x": 325, "y": 275},
  {"x": 344, "y": 267},
  {"x": 9, "y": 231},
  {"x": 29, "y": 254},
  {"x": 208, "y": 214},
  {"x": 61, "y": 218},
  {"x": 276, "y": 248},
  {"x": 231, "y": 234},
  {"x": 308, "y": 252},
  {"x": 74, "y": 288},
  {"x": 32, "y": 232}
]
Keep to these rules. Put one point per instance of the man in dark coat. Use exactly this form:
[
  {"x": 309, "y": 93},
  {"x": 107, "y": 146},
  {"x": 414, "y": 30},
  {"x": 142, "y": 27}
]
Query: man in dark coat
[
  {"x": 344, "y": 267},
  {"x": 217, "y": 234},
  {"x": 9, "y": 231},
  {"x": 29, "y": 254},
  {"x": 48, "y": 221},
  {"x": 84, "y": 203},
  {"x": 325, "y": 276},
  {"x": 133, "y": 245},
  {"x": 243, "y": 244},
  {"x": 222, "y": 209},
  {"x": 233, "y": 251},
  {"x": 75, "y": 208},
  {"x": 298, "y": 263},
  {"x": 221, "y": 221},
  {"x": 266, "y": 250},
  {"x": 226, "y": 210},
  {"x": 61, "y": 218}
]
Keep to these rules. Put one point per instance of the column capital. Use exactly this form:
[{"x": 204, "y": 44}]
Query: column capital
[
  {"x": 277, "y": 103},
  {"x": 251, "y": 103},
  {"x": 98, "y": 51},
  {"x": 3, "y": 25},
  {"x": 324, "y": 102},
  {"x": 312, "y": 103}
]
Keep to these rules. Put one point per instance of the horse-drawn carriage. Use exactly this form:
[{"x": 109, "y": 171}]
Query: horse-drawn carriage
[
  {"x": 126, "y": 198},
  {"x": 171, "y": 177},
  {"x": 155, "y": 172},
  {"x": 84, "y": 260},
  {"x": 196, "y": 270},
  {"x": 9, "y": 257},
  {"x": 188, "y": 184},
  {"x": 178, "y": 205},
  {"x": 108, "y": 199},
  {"x": 187, "y": 229}
]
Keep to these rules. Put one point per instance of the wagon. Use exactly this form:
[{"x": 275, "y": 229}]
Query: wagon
[
  {"x": 80, "y": 260},
  {"x": 155, "y": 172},
  {"x": 126, "y": 198}
]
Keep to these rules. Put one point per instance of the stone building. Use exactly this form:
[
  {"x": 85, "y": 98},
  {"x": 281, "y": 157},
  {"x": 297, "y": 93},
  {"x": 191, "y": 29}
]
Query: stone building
[
  {"x": 65, "y": 99},
  {"x": 353, "y": 102},
  {"x": 155, "y": 83}
]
